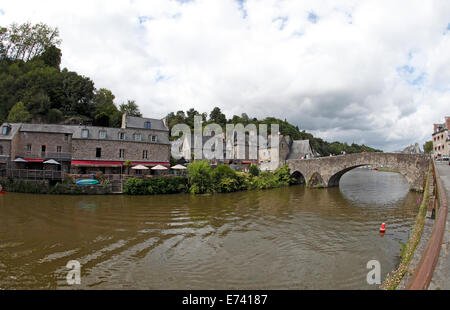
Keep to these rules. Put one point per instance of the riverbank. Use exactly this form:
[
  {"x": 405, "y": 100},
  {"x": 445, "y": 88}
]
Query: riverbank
[
  {"x": 394, "y": 279},
  {"x": 45, "y": 187},
  {"x": 203, "y": 179}
]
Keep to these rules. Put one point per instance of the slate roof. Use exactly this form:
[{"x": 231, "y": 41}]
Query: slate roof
[
  {"x": 94, "y": 132},
  {"x": 139, "y": 122},
  {"x": 299, "y": 148}
]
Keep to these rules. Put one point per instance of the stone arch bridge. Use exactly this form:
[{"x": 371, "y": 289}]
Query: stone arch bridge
[{"x": 327, "y": 171}]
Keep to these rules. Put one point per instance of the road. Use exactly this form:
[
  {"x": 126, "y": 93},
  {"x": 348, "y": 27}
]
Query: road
[{"x": 441, "y": 276}]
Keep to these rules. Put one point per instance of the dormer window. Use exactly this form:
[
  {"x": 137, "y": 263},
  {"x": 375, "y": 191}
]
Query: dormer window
[
  {"x": 102, "y": 134},
  {"x": 154, "y": 138},
  {"x": 5, "y": 130},
  {"x": 85, "y": 133},
  {"x": 148, "y": 125},
  {"x": 122, "y": 136},
  {"x": 137, "y": 137}
]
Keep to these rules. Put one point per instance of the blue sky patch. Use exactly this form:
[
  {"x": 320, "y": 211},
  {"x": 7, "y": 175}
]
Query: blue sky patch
[
  {"x": 283, "y": 20},
  {"x": 312, "y": 17},
  {"x": 411, "y": 75},
  {"x": 242, "y": 8},
  {"x": 143, "y": 19}
]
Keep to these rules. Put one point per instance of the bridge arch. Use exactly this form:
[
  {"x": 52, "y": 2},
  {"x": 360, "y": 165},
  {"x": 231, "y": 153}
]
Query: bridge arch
[
  {"x": 334, "y": 180},
  {"x": 299, "y": 177},
  {"x": 329, "y": 170},
  {"x": 316, "y": 180}
]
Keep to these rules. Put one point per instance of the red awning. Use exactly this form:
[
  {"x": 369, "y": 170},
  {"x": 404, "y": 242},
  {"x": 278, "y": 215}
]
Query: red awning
[
  {"x": 34, "y": 160},
  {"x": 96, "y": 163},
  {"x": 111, "y": 163},
  {"x": 249, "y": 162}
]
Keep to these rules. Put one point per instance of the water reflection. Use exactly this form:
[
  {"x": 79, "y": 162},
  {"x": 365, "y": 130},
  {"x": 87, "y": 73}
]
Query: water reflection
[{"x": 288, "y": 238}]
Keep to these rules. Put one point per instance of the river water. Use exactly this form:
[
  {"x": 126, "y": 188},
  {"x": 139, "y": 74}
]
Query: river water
[{"x": 287, "y": 238}]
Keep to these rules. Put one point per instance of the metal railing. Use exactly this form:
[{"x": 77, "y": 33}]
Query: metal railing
[
  {"x": 424, "y": 273},
  {"x": 45, "y": 155},
  {"x": 33, "y": 174}
]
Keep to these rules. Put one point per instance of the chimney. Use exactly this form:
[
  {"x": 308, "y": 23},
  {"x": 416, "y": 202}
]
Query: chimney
[
  {"x": 435, "y": 127},
  {"x": 124, "y": 120},
  {"x": 447, "y": 122}
]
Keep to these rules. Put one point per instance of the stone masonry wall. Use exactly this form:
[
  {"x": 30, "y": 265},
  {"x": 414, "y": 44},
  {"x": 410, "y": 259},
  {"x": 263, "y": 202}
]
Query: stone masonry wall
[
  {"x": 330, "y": 169},
  {"x": 86, "y": 150}
]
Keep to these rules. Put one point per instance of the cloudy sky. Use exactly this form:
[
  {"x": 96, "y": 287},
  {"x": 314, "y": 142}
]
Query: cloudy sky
[{"x": 374, "y": 72}]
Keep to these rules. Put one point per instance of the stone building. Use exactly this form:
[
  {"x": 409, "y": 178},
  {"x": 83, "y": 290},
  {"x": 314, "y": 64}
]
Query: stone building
[
  {"x": 273, "y": 158},
  {"x": 85, "y": 149},
  {"x": 441, "y": 139}
]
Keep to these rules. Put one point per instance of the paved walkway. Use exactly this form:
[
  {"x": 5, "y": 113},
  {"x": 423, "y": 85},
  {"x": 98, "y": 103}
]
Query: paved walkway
[{"x": 441, "y": 276}]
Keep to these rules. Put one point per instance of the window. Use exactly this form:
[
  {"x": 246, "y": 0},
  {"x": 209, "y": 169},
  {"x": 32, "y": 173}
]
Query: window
[
  {"x": 85, "y": 133},
  {"x": 122, "y": 153},
  {"x": 66, "y": 137},
  {"x": 154, "y": 138},
  {"x": 43, "y": 148},
  {"x": 28, "y": 148},
  {"x": 122, "y": 136},
  {"x": 102, "y": 134},
  {"x": 1, "y": 150},
  {"x": 147, "y": 125},
  {"x": 137, "y": 137},
  {"x": 98, "y": 152},
  {"x": 58, "y": 149},
  {"x": 145, "y": 154},
  {"x": 5, "y": 130}
]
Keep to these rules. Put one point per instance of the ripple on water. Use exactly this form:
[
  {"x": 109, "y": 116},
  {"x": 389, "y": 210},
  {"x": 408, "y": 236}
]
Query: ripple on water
[{"x": 287, "y": 238}]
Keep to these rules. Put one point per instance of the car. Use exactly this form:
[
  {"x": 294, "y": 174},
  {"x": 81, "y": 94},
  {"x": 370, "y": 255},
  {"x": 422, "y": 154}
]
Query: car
[{"x": 446, "y": 158}]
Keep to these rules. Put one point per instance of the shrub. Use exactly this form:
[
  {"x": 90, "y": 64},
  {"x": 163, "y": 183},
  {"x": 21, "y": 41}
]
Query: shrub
[
  {"x": 221, "y": 172},
  {"x": 154, "y": 186},
  {"x": 200, "y": 177},
  {"x": 253, "y": 170},
  {"x": 68, "y": 179}
]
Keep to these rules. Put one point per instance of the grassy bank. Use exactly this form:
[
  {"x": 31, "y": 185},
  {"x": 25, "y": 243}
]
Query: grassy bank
[{"x": 393, "y": 280}]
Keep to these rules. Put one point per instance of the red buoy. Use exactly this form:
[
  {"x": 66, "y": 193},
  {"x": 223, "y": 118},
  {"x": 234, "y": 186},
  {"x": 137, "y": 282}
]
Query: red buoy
[{"x": 383, "y": 227}]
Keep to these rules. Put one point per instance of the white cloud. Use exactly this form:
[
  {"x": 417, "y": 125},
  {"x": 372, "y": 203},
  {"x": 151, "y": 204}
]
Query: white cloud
[{"x": 374, "y": 72}]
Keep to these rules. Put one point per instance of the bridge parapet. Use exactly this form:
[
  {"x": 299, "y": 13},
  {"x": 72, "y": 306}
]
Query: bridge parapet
[{"x": 328, "y": 171}]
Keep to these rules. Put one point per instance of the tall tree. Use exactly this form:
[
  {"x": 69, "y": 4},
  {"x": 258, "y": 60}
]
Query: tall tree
[
  {"x": 26, "y": 41},
  {"x": 216, "y": 116},
  {"x": 131, "y": 108},
  {"x": 428, "y": 147},
  {"x": 19, "y": 114},
  {"x": 106, "y": 112}
]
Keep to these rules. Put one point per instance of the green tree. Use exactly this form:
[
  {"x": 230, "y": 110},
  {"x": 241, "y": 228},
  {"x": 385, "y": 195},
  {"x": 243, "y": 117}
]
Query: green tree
[
  {"x": 106, "y": 112},
  {"x": 428, "y": 147},
  {"x": 130, "y": 108},
  {"x": 25, "y": 41},
  {"x": 216, "y": 116},
  {"x": 19, "y": 114},
  {"x": 200, "y": 177},
  {"x": 253, "y": 170}
]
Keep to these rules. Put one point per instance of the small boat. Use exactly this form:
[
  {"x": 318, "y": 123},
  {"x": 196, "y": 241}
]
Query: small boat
[{"x": 87, "y": 182}]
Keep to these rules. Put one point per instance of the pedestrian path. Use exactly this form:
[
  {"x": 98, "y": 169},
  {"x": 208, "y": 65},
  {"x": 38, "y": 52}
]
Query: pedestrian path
[{"x": 441, "y": 275}]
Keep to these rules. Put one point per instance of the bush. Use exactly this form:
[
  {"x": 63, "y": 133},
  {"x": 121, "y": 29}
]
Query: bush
[
  {"x": 154, "y": 186},
  {"x": 68, "y": 179},
  {"x": 200, "y": 177},
  {"x": 253, "y": 170}
]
